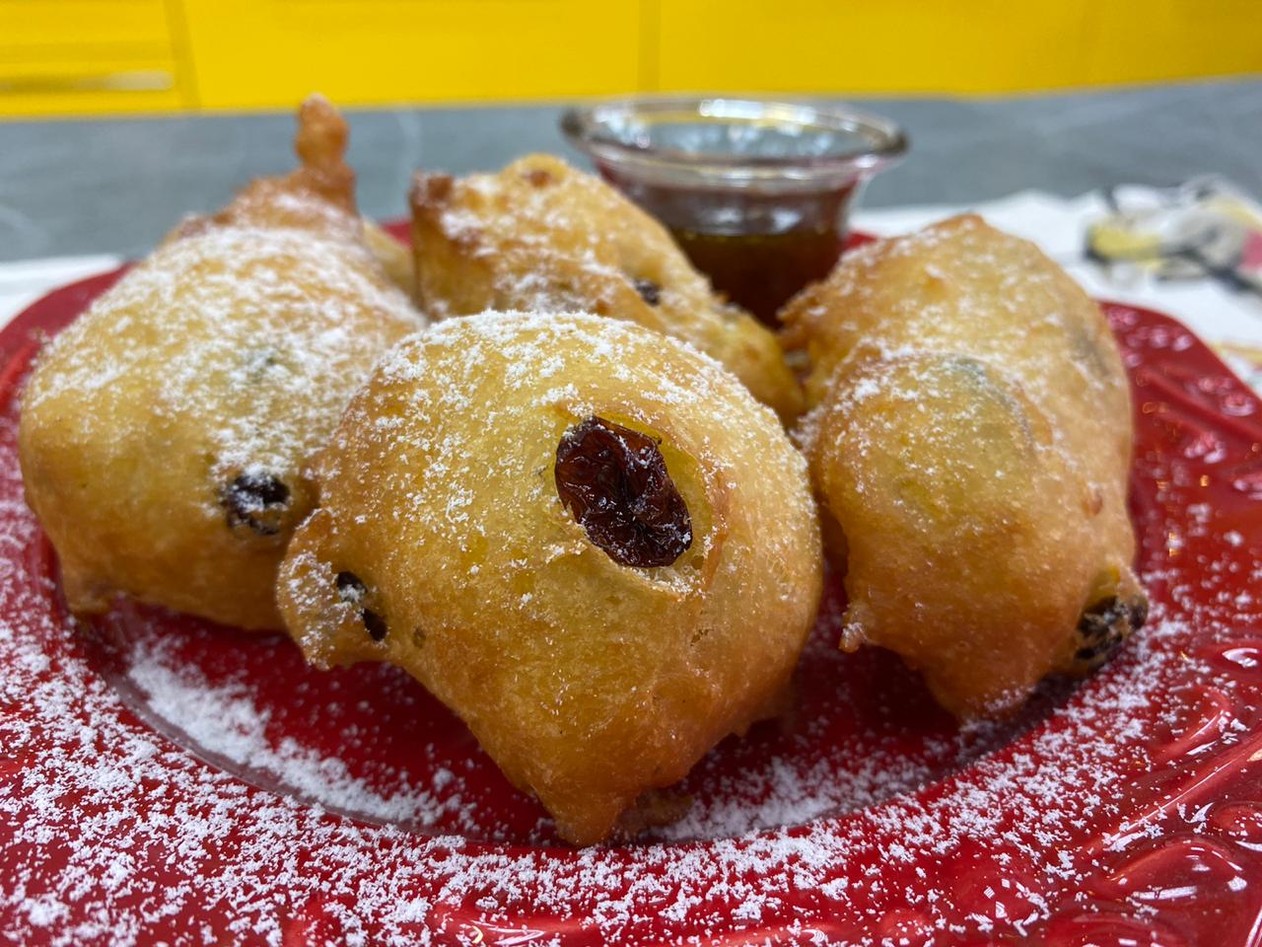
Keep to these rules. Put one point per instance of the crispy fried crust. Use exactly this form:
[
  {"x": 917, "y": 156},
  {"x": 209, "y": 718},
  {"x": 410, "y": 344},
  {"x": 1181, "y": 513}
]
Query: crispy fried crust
[
  {"x": 541, "y": 236},
  {"x": 442, "y": 545},
  {"x": 970, "y": 445},
  {"x": 166, "y": 437}
]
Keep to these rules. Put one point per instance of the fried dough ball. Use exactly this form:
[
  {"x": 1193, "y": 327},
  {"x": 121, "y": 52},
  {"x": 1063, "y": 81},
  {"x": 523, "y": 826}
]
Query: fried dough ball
[
  {"x": 166, "y": 436},
  {"x": 585, "y": 538},
  {"x": 970, "y": 452},
  {"x": 541, "y": 236}
]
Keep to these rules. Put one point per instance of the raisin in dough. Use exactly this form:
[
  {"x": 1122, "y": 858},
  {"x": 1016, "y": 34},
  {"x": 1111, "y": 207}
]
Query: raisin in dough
[
  {"x": 541, "y": 236},
  {"x": 585, "y": 538},
  {"x": 166, "y": 435},
  {"x": 970, "y": 448}
]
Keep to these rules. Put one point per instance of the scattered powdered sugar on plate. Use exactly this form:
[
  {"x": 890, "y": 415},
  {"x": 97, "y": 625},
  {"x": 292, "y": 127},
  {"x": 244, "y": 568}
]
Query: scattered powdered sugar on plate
[
  {"x": 868, "y": 820},
  {"x": 224, "y": 724}
]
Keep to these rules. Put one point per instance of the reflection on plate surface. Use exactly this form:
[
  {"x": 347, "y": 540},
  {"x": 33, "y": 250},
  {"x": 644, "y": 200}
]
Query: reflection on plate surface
[{"x": 1126, "y": 807}]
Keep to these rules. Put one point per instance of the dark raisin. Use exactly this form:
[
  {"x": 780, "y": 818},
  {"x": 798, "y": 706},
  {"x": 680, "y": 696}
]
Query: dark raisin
[
  {"x": 353, "y": 591},
  {"x": 538, "y": 177},
  {"x": 615, "y": 484},
  {"x": 1105, "y": 625},
  {"x": 375, "y": 624},
  {"x": 1139, "y": 612},
  {"x": 256, "y": 500},
  {"x": 351, "y": 587},
  {"x": 649, "y": 291},
  {"x": 258, "y": 362}
]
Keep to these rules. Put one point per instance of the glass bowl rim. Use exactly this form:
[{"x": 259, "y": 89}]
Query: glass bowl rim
[{"x": 585, "y": 126}]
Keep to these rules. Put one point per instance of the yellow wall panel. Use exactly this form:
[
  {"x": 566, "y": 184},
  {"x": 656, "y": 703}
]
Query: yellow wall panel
[
  {"x": 272, "y": 52},
  {"x": 960, "y": 46},
  {"x": 73, "y": 23},
  {"x": 860, "y": 45},
  {"x": 1161, "y": 39},
  {"x": 65, "y": 56}
]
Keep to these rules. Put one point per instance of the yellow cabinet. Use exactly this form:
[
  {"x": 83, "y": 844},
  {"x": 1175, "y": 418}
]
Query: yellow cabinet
[
  {"x": 65, "y": 56},
  {"x": 60, "y": 56},
  {"x": 1162, "y": 39},
  {"x": 273, "y": 52},
  {"x": 840, "y": 46}
]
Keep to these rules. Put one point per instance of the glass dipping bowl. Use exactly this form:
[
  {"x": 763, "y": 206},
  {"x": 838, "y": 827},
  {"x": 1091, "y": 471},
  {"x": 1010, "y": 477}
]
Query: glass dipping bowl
[{"x": 757, "y": 193}]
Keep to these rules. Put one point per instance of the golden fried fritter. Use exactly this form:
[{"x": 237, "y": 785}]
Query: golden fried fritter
[
  {"x": 586, "y": 539},
  {"x": 166, "y": 435},
  {"x": 970, "y": 449},
  {"x": 541, "y": 236}
]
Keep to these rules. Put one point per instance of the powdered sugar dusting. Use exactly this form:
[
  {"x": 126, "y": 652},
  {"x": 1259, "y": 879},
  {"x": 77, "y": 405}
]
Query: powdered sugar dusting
[
  {"x": 225, "y": 724},
  {"x": 540, "y": 236},
  {"x": 283, "y": 319},
  {"x": 526, "y": 345},
  {"x": 115, "y": 835}
]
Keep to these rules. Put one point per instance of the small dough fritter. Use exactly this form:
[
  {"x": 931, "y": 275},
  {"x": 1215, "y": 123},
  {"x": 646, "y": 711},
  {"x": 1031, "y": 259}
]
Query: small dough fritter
[
  {"x": 585, "y": 538},
  {"x": 166, "y": 435},
  {"x": 541, "y": 236},
  {"x": 970, "y": 450}
]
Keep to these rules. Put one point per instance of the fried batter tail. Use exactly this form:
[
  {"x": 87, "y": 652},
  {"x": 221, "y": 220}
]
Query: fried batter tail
[
  {"x": 320, "y": 145},
  {"x": 318, "y": 196}
]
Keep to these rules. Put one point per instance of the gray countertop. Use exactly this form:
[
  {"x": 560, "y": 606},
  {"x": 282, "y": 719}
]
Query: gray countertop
[{"x": 116, "y": 185}]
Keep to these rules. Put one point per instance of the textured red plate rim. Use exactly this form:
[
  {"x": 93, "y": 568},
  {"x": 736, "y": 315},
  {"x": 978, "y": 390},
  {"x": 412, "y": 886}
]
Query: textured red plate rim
[{"x": 1131, "y": 814}]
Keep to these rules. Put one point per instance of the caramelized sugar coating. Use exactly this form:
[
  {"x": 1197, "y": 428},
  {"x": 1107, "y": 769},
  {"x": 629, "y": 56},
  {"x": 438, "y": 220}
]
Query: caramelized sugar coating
[
  {"x": 585, "y": 538},
  {"x": 166, "y": 436},
  {"x": 541, "y": 236},
  {"x": 970, "y": 450}
]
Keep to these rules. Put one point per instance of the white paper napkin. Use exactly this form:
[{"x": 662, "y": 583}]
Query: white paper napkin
[{"x": 24, "y": 282}]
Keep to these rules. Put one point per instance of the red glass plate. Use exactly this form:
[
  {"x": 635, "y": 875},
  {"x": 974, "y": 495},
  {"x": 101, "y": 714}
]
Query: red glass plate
[{"x": 166, "y": 781}]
